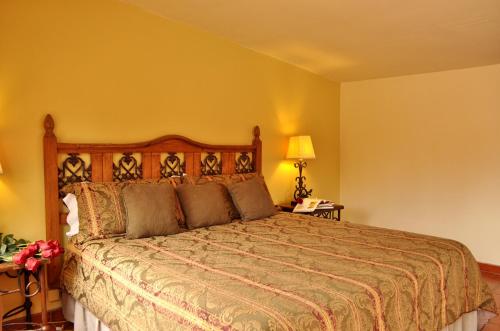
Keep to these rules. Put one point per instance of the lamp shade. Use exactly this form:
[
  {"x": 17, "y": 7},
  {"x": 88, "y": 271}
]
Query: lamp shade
[{"x": 300, "y": 147}]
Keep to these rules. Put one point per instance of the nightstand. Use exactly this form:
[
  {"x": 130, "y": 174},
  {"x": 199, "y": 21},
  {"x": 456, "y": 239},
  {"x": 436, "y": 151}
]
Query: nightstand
[
  {"x": 25, "y": 286},
  {"x": 332, "y": 213}
]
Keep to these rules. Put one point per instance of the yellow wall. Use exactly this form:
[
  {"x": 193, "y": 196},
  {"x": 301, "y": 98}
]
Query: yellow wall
[
  {"x": 110, "y": 72},
  {"x": 422, "y": 153}
]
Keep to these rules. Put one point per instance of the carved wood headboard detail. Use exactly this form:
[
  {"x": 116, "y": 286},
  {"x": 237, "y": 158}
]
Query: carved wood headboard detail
[{"x": 170, "y": 155}]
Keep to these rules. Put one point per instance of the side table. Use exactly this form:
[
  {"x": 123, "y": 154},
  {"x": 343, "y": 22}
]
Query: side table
[
  {"x": 13, "y": 270},
  {"x": 332, "y": 213}
]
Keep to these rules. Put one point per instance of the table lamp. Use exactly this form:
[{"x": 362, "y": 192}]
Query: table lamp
[
  {"x": 1, "y": 170},
  {"x": 300, "y": 148}
]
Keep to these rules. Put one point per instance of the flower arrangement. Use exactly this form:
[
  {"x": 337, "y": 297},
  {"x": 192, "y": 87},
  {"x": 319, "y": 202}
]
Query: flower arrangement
[
  {"x": 22, "y": 252},
  {"x": 41, "y": 248}
]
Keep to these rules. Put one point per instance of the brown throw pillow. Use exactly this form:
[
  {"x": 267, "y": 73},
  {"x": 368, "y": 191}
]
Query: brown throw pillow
[
  {"x": 174, "y": 181},
  {"x": 204, "y": 205},
  {"x": 225, "y": 180},
  {"x": 150, "y": 210},
  {"x": 252, "y": 199}
]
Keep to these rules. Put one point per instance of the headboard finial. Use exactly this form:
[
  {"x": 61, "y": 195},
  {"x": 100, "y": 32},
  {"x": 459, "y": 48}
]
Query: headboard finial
[
  {"x": 257, "y": 143},
  {"x": 256, "y": 132},
  {"x": 48, "y": 124}
]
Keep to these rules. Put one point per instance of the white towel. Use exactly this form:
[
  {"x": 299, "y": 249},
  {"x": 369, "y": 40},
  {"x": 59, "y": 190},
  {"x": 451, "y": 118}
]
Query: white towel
[{"x": 72, "y": 219}]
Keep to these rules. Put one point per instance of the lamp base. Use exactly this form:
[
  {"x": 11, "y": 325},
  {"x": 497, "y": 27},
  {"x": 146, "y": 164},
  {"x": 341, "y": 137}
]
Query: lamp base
[{"x": 300, "y": 189}]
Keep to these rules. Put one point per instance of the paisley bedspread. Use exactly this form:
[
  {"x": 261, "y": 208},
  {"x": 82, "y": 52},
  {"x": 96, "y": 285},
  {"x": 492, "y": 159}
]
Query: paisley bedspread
[{"x": 286, "y": 272}]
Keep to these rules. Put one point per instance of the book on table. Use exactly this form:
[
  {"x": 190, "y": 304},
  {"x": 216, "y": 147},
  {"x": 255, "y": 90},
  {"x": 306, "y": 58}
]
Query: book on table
[{"x": 309, "y": 205}]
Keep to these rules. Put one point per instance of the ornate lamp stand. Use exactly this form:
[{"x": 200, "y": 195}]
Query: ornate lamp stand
[
  {"x": 300, "y": 148},
  {"x": 300, "y": 189}
]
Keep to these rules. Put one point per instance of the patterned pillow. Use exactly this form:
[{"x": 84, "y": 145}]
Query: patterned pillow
[
  {"x": 223, "y": 179},
  {"x": 101, "y": 211}
]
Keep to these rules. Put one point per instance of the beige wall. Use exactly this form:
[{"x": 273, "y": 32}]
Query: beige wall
[
  {"x": 422, "y": 153},
  {"x": 110, "y": 72}
]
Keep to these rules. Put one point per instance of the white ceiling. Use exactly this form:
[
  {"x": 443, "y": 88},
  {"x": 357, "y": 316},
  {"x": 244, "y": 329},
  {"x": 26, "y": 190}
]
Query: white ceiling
[{"x": 347, "y": 40}]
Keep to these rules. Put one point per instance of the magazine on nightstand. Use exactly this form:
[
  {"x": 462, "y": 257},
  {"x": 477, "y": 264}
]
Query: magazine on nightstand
[{"x": 309, "y": 205}]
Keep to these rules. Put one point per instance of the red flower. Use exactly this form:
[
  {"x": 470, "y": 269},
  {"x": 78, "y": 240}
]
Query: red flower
[
  {"x": 299, "y": 201},
  {"x": 53, "y": 244},
  {"x": 43, "y": 245},
  {"x": 32, "y": 264},
  {"x": 58, "y": 251},
  {"x": 38, "y": 242},
  {"x": 50, "y": 248},
  {"x": 48, "y": 253},
  {"x": 21, "y": 257},
  {"x": 32, "y": 249}
]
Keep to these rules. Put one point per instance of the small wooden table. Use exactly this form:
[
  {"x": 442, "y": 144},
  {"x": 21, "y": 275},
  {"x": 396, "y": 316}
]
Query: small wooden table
[
  {"x": 332, "y": 213},
  {"x": 9, "y": 267}
]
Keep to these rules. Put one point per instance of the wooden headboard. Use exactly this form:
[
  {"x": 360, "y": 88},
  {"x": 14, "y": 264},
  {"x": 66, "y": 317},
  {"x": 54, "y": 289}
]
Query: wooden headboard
[{"x": 163, "y": 157}]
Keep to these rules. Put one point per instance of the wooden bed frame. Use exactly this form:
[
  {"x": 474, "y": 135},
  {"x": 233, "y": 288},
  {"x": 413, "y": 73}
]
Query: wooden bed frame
[{"x": 154, "y": 159}]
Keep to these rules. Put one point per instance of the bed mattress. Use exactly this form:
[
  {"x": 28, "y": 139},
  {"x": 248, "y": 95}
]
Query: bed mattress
[{"x": 286, "y": 272}]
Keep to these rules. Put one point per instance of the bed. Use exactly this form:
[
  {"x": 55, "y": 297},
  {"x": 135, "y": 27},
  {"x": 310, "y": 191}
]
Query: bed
[{"x": 284, "y": 272}]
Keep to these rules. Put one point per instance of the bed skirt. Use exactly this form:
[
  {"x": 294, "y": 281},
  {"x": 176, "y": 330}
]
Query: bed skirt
[
  {"x": 84, "y": 320},
  {"x": 81, "y": 317}
]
